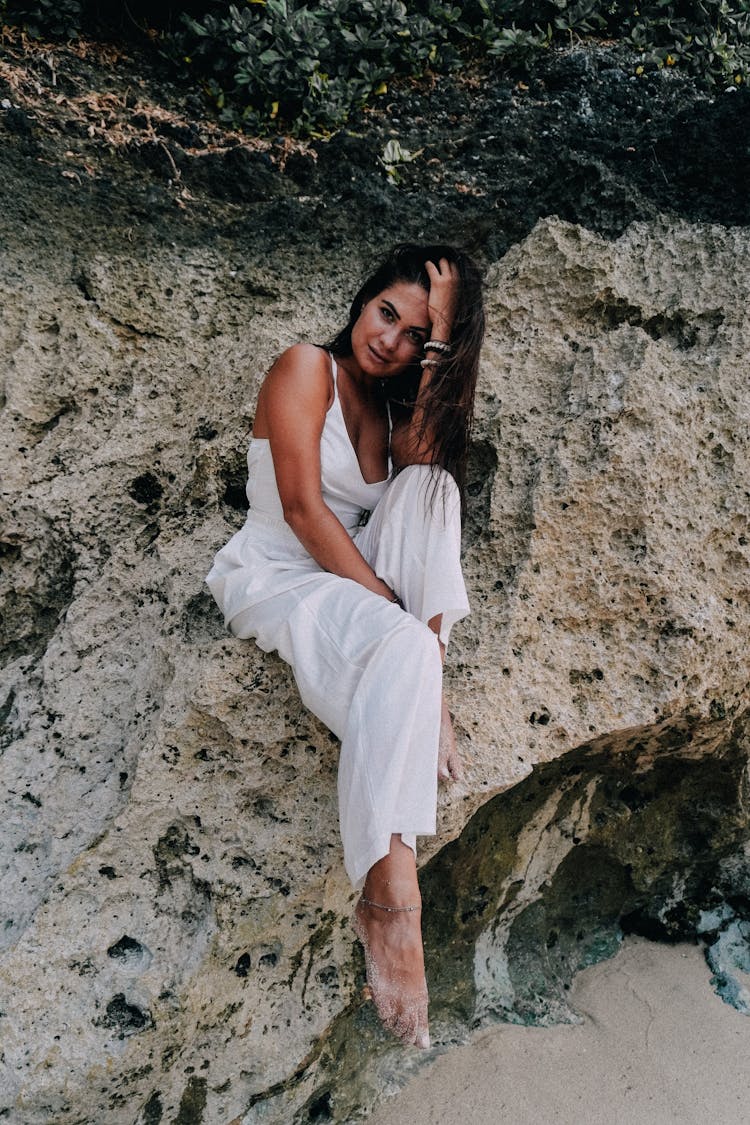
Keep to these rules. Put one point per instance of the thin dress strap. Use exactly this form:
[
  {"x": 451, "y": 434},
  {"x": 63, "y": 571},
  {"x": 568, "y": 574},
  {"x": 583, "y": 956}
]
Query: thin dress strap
[{"x": 334, "y": 375}]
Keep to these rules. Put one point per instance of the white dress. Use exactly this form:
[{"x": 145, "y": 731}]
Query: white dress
[{"x": 368, "y": 669}]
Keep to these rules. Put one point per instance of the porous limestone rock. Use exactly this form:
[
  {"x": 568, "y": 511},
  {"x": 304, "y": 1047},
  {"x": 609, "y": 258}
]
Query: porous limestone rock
[{"x": 175, "y": 914}]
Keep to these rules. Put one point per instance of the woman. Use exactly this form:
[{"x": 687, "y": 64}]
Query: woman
[{"x": 376, "y": 422}]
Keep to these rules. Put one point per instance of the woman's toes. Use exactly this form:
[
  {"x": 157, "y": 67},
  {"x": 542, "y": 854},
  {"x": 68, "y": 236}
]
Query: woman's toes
[
  {"x": 405, "y": 1030},
  {"x": 446, "y": 745},
  {"x": 405, "y": 1027},
  {"x": 400, "y": 1023},
  {"x": 454, "y": 766},
  {"x": 422, "y": 1038},
  {"x": 443, "y": 771}
]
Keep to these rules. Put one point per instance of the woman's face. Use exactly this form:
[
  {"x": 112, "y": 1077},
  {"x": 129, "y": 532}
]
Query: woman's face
[{"x": 391, "y": 329}]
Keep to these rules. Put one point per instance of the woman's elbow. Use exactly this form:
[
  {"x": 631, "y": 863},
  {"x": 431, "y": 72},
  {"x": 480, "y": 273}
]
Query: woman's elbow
[
  {"x": 410, "y": 447},
  {"x": 300, "y": 514}
]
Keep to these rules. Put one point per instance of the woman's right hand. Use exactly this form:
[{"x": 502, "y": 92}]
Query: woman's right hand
[{"x": 443, "y": 297}]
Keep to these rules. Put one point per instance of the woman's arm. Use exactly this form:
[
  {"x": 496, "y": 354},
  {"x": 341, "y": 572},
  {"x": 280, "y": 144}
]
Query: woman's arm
[
  {"x": 292, "y": 407},
  {"x": 412, "y": 442}
]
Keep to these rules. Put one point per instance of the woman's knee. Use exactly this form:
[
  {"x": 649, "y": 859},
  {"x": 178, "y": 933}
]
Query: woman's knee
[
  {"x": 430, "y": 489},
  {"x": 424, "y": 645}
]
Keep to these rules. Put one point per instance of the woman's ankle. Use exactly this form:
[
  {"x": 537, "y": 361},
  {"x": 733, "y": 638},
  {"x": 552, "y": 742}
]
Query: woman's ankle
[
  {"x": 392, "y": 881},
  {"x": 392, "y": 892}
]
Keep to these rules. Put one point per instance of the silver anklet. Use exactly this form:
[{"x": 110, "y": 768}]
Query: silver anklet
[{"x": 390, "y": 909}]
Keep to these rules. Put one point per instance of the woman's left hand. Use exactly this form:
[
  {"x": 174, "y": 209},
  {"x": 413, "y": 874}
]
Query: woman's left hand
[{"x": 443, "y": 297}]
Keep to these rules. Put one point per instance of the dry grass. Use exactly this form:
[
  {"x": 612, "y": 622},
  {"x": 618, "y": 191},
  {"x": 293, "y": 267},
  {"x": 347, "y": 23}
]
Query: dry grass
[{"x": 55, "y": 85}]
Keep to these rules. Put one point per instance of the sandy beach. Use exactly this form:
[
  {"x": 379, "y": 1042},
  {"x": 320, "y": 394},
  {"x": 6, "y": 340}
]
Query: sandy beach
[{"x": 656, "y": 1047}]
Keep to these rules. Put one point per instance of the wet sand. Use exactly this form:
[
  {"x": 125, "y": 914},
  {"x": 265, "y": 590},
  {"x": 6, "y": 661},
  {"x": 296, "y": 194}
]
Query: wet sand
[{"x": 656, "y": 1047}]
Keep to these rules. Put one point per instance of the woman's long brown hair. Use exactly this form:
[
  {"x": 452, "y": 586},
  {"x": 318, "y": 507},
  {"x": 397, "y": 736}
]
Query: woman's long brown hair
[{"x": 448, "y": 406}]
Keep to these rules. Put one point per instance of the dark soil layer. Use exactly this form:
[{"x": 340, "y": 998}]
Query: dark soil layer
[{"x": 105, "y": 142}]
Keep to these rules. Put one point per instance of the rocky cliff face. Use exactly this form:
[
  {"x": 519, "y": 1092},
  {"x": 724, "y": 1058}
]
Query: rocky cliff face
[{"x": 175, "y": 916}]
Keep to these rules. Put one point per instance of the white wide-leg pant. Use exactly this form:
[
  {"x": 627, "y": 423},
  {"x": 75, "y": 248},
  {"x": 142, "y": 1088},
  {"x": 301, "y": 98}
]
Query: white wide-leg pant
[{"x": 370, "y": 671}]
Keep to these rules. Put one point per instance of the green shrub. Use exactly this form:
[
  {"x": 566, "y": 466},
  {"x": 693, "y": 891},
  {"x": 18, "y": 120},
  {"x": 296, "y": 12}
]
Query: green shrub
[
  {"x": 309, "y": 67},
  {"x": 53, "y": 19},
  {"x": 304, "y": 67},
  {"x": 281, "y": 64},
  {"x": 66, "y": 19}
]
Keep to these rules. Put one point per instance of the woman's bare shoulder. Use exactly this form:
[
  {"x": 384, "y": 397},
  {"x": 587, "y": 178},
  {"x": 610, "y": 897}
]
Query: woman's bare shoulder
[
  {"x": 300, "y": 376},
  {"x": 303, "y": 367},
  {"x": 303, "y": 358}
]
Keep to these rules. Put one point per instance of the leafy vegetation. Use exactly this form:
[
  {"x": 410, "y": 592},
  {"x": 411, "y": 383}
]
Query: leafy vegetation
[
  {"x": 60, "y": 20},
  {"x": 67, "y": 19},
  {"x": 304, "y": 67}
]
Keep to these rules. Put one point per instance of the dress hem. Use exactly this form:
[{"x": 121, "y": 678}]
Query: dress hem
[{"x": 379, "y": 849}]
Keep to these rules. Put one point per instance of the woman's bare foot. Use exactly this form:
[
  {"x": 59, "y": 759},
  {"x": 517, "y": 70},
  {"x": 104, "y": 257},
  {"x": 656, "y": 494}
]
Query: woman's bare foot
[
  {"x": 392, "y": 941},
  {"x": 449, "y": 762}
]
